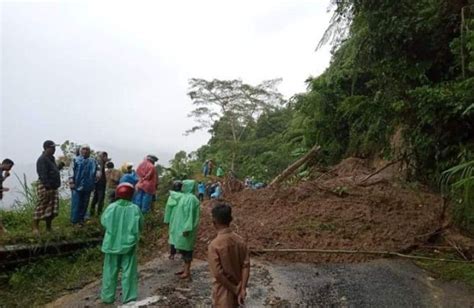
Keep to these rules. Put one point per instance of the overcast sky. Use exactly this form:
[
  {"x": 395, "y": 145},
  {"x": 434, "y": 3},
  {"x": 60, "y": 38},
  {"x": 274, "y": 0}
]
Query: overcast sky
[{"x": 115, "y": 74}]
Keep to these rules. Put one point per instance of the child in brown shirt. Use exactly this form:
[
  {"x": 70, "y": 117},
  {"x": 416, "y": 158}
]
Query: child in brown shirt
[{"x": 229, "y": 261}]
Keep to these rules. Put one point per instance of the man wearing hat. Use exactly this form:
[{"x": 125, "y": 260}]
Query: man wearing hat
[
  {"x": 147, "y": 182},
  {"x": 123, "y": 222},
  {"x": 49, "y": 180}
]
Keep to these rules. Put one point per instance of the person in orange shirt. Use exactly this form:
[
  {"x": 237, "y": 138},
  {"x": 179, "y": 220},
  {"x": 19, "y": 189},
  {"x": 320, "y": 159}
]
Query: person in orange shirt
[{"x": 229, "y": 261}]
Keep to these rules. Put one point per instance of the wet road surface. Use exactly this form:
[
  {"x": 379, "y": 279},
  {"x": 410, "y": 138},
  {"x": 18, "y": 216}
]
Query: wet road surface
[{"x": 381, "y": 283}]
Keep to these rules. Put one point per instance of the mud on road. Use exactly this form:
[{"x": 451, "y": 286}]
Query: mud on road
[
  {"x": 336, "y": 210},
  {"x": 379, "y": 283},
  {"x": 349, "y": 207}
]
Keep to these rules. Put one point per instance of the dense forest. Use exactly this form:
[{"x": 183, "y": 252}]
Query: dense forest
[{"x": 400, "y": 86}]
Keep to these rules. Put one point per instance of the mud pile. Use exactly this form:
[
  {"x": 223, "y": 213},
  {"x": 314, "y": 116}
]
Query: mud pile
[{"x": 342, "y": 209}]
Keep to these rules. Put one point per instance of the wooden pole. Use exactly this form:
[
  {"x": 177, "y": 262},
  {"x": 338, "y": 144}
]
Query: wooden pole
[
  {"x": 367, "y": 252},
  {"x": 380, "y": 170}
]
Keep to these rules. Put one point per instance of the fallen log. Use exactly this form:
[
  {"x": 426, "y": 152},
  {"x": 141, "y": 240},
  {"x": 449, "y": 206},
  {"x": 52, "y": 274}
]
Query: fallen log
[
  {"x": 458, "y": 249},
  {"x": 432, "y": 236},
  {"x": 293, "y": 167},
  {"x": 367, "y": 252},
  {"x": 379, "y": 170},
  {"x": 13, "y": 255}
]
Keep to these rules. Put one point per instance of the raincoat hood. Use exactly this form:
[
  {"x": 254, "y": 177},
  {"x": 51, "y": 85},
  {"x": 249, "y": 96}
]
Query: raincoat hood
[
  {"x": 171, "y": 204},
  {"x": 174, "y": 198},
  {"x": 188, "y": 186},
  {"x": 183, "y": 217}
]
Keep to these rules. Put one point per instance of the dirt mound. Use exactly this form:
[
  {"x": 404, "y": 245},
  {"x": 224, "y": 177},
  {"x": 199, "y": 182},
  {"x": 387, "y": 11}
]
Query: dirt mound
[
  {"x": 232, "y": 185},
  {"x": 332, "y": 212},
  {"x": 352, "y": 166}
]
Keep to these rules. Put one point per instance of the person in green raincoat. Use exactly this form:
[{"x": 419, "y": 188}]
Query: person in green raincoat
[
  {"x": 171, "y": 204},
  {"x": 220, "y": 172},
  {"x": 184, "y": 225},
  {"x": 123, "y": 222}
]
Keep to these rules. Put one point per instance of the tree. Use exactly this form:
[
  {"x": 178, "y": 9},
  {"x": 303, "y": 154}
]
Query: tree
[
  {"x": 180, "y": 168},
  {"x": 459, "y": 182},
  {"x": 69, "y": 150},
  {"x": 232, "y": 103}
]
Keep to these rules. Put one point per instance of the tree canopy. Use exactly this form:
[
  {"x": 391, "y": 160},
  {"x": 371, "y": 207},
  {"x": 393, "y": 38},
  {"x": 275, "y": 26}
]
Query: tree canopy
[{"x": 232, "y": 106}]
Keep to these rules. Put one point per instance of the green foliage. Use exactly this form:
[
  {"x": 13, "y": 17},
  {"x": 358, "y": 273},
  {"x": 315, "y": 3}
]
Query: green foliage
[
  {"x": 263, "y": 151},
  {"x": 182, "y": 167},
  {"x": 459, "y": 182},
  {"x": 28, "y": 193},
  {"x": 398, "y": 68},
  {"x": 18, "y": 221},
  {"x": 437, "y": 125},
  {"x": 229, "y": 108},
  {"x": 450, "y": 271},
  {"x": 19, "y": 224},
  {"x": 41, "y": 282}
]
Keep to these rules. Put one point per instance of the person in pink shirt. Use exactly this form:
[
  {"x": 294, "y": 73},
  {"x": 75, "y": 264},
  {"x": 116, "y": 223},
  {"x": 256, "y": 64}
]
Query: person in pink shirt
[{"x": 147, "y": 183}]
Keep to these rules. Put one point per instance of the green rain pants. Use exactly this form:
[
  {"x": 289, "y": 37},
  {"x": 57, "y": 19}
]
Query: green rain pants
[{"x": 113, "y": 263}]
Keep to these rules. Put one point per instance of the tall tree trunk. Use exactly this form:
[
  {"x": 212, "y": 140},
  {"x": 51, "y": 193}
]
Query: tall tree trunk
[
  {"x": 232, "y": 164},
  {"x": 463, "y": 57}
]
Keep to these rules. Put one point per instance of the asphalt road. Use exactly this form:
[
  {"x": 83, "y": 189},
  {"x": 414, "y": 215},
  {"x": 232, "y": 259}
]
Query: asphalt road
[{"x": 381, "y": 283}]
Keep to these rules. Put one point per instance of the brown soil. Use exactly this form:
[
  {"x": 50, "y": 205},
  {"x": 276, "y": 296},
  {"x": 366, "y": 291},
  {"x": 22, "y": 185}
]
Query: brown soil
[{"x": 335, "y": 211}]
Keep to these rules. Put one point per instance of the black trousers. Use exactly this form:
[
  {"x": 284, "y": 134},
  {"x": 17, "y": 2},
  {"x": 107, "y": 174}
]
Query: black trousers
[
  {"x": 97, "y": 199},
  {"x": 172, "y": 250}
]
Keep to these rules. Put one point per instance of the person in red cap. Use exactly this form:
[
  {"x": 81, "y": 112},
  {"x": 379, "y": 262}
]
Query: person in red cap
[{"x": 123, "y": 222}]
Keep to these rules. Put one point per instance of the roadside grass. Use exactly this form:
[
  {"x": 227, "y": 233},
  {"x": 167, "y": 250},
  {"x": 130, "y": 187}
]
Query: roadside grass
[
  {"x": 449, "y": 271},
  {"x": 45, "y": 280},
  {"x": 19, "y": 225}
]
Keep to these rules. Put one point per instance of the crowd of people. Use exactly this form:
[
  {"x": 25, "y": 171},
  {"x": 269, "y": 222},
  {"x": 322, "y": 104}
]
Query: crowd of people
[
  {"x": 89, "y": 176},
  {"x": 228, "y": 255},
  {"x": 99, "y": 176},
  {"x": 130, "y": 195},
  {"x": 212, "y": 189}
]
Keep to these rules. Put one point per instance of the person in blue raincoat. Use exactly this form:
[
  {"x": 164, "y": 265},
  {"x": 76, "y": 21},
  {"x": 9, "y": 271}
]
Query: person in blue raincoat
[
  {"x": 82, "y": 183},
  {"x": 129, "y": 176},
  {"x": 205, "y": 168},
  {"x": 217, "y": 192},
  {"x": 201, "y": 191}
]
